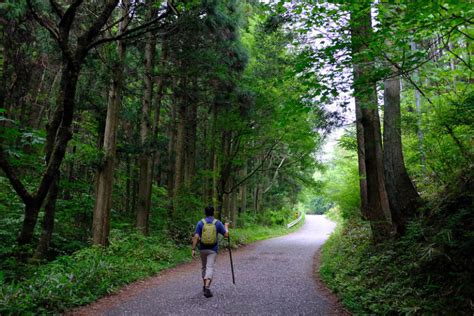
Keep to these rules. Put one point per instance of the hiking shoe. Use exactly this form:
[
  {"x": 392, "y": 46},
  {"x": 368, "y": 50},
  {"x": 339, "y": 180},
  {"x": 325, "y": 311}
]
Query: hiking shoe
[{"x": 207, "y": 293}]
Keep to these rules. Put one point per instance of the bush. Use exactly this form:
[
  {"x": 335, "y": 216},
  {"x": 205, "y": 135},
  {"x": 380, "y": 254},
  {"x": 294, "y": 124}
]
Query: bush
[
  {"x": 274, "y": 218},
  {"x": 246, "y": 219},
  {"x": 255, "y": 232},
  {"x": 188, "y": 210},
  {"x": 90, "y": 273},
  {"x": 342, "y": 184},
  {"x": 319, "y": 205},
  {"x": 93, "y": 272},
  {"x": 427, "y": 271}
]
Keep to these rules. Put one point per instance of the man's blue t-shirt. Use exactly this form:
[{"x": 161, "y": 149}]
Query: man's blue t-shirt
[{"x": 220, "y": 229}]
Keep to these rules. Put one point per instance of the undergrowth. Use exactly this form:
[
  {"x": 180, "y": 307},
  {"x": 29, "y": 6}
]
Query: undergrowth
[
  {"x": 249, "y": 234},
  {"x": 428, "y": 271},
  {"x": 89, "y": 274},
  {"x": 92, "y": 272}
]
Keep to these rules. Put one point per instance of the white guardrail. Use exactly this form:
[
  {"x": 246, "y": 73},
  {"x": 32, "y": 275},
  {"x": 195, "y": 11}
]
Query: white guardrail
[{"x": 296, "y": 221}]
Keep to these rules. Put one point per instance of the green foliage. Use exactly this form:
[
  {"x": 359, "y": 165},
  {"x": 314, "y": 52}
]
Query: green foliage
[
  {"x": 428, "y": 271},
  {"x": 13, "y": 8},
  {"x": 90, "y": 273},
  {"x": 188, "y": 210},
  {"x": 341, "y": 183},
  {"x": 254, "y": 232},
  {"x": 447, "y": 130},
  {"x": 319, "y": 205},
  {"x": 268, "y": 218}
]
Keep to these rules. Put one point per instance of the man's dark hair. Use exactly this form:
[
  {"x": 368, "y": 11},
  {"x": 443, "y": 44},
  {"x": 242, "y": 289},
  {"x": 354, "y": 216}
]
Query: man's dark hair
[{"x": 209, "y": 210}]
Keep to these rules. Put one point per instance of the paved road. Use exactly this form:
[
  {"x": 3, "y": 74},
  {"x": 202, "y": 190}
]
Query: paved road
[{"x": 273, "y": 277}]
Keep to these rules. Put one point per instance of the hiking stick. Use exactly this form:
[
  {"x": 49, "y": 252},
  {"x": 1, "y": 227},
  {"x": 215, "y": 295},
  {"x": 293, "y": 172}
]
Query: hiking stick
[{"x": 231, "y": 262}]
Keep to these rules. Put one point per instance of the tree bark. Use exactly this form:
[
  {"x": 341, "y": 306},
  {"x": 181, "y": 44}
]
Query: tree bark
[
  {"x": 378, "y": 209},
  {"x": 233, "y": 209},
  {"x": 179, "y": 148},
  {"x": 214, "y": 161},
  {"x": 160, "y": 82},
  {"x": 243, "y": 190},
  {"x": 128, "y": 185},
  {"x": 70, "y": 175},
  {"x": 136, "y": 175},
  {"x": 361, "y": 153},
  {"x": 171, "y": 151},
  {"x": 257, "y": 198},
  {"x": 191, "y": 142},
  {"x": 59, "y": 132},
  {"x": 58, "y": 135},
  {"x": 2, "y": 61},
  {"x": 105, "y": 174},
  {"x": 207, "y": 155},
  {"x": 146, "y": 157},
  {"x": 402, "y": 195},
  {"x": 50, "y": 93},
  {"x": 48, "y": 221}
]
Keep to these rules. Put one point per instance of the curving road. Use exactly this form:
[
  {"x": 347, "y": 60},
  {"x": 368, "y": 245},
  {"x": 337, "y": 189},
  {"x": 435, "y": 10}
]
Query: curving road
[{"x": 273, "y": 277}]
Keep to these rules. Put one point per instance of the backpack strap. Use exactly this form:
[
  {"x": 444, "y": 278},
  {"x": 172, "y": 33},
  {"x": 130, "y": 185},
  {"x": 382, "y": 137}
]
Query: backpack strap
[
  {"x": 204, "y": 221},
  {"x": 214, "y": 221}
]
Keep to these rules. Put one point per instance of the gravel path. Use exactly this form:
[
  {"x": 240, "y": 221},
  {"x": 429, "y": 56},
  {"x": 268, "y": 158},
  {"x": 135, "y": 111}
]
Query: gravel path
[{"x": 273, "y": 277}]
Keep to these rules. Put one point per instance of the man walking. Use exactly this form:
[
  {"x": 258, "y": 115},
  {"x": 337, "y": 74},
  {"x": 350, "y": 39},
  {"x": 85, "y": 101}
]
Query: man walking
[{"x": 206, "y": 233}]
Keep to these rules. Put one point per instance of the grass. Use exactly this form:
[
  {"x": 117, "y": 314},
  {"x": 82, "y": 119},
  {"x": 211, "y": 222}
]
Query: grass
[
  {"x": 93, "y": 272},
  {"x": 428, "y": 271},
  {"x": 247, "y": 235},
  {"x": 89, "y": 274}
]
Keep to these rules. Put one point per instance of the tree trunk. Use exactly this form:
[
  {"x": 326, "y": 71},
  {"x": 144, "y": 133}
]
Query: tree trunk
[
  {"x": 214, "y": 192},
  {"x": 207, "y": 155},
  {"x": 361, "y": 153},
  {"x": 48, "y": 221},
  {"x": 58, "y": 135},
  {"x": 2, "y": 62},
  {"x": 224, "y": 167},
  {"x": 378, "y": 210},
  {"x": 378, "y": 205},
  {"x": 70, "y": 176},
  {"x": 128, "y": 186},
  {"x": 105, "y": 174},
  {"x": 50, "y": 93},
  {"x": 213, "y": 157},
  {"x": 243, "y": 190},
  {"x": 233, "y": 209},
  {"x": 179, "y": 148},
  {"x": 220, "y": 206},
  {"x": 401, "y": 192},
  {"x": 59, "y": 132},
  {"x": 257, "y": 195},
  {"x": 191, "y": 142},
  {"x": 156, "y": 122},
  {"x": 29, "y": 223},
  {"x": 171, "y": 153},
  {"x": 146, "y": 157},
  {"x": 225, "y": 212},
  {"x": 136, "y": 174},
  {"x": 144, "y": 195}
]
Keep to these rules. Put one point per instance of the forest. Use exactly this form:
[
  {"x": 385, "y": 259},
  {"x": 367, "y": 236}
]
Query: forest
[{"x": 121, "y": 120}]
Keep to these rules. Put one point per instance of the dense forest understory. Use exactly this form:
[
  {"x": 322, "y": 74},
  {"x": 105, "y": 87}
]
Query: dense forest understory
[{"x": 121, "y": 120}]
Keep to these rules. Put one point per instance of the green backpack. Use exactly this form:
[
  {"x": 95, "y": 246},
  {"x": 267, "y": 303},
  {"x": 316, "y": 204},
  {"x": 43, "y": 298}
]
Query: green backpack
[{"x": 209, "y": 233}]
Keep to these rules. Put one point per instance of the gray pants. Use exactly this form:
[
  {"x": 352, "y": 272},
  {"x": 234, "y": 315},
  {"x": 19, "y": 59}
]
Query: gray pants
[{"x": 208, "y": 259}]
